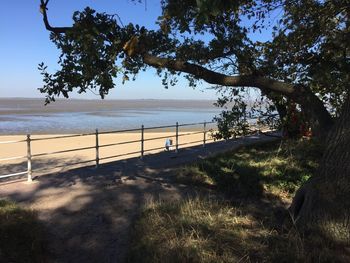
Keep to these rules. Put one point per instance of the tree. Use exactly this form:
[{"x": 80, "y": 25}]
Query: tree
[
  {"x": 306, "y": 61},
  {"x": 323, "y": 203}
]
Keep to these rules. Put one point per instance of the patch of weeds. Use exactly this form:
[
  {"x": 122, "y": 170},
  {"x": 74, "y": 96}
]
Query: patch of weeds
[
  {"x": 22, "y": 237},
  {"x": 196, "y": 230},
  {"x": 248, "y": 172},
  {"x": 195, "y": 175},
  {"x": 208, "y": 231}
]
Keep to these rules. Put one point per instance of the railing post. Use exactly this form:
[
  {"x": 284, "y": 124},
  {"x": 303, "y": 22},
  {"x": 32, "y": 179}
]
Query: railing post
[
  {"x": 97, "y": 150},
  {"x": 177, "y": 137},
  {"x": 29, "y": 159},
  {"x": 204, "y": 132},
  {"x": 142, "y": 140}
]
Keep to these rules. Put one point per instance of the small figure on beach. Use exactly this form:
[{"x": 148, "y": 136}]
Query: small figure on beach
[{"x": 168, "y": 144}]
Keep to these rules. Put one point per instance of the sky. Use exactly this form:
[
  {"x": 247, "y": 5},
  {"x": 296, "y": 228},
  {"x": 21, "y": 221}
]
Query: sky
[{"x": 24, "y": 43}]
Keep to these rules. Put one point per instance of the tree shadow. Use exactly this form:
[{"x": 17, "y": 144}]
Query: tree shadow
[
  {"x": 247, "y": 179},
  {"x": 88, "y": 212}
]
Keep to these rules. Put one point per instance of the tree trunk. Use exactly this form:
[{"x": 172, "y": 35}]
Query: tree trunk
[
  {"x": 317, "y": 115},
  {"x": 323, "y": 203}
]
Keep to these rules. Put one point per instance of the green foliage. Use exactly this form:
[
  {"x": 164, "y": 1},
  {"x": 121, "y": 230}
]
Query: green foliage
[
  {"x": 232, "y": 122},
  {"x": 308, "y": 47},
  {"x": 239, "y": 108},
  {"x": 22, "y": 237},
  {"x": 88, "y": 56},
  {"x": 93, "y": 54}
]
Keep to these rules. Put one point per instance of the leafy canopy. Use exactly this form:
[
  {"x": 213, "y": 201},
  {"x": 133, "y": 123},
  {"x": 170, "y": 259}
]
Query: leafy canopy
[{"x": 308, "y": 45}]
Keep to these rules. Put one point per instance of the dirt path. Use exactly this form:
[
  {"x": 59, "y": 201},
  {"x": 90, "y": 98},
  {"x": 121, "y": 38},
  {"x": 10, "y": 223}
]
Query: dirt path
[{"x": 88, "y": 211}]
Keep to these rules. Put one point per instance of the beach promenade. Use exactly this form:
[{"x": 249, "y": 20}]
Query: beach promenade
[
  {"x": 121, "y": 145},
  {"x": 88, "y": 212}
]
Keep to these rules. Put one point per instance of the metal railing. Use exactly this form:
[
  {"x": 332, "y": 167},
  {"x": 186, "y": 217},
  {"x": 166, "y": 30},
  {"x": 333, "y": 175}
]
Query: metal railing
[{"x": 29, "y": 156}]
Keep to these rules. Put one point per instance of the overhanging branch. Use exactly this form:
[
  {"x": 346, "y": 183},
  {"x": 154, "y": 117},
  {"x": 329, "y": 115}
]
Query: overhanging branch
[
  {"x": 43, "y": 10},
  {"x": 213, "y": 77}
]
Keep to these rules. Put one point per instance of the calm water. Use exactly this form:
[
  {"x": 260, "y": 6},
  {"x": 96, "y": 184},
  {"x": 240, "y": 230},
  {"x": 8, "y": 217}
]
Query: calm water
[{"x": 21, "y": 116}]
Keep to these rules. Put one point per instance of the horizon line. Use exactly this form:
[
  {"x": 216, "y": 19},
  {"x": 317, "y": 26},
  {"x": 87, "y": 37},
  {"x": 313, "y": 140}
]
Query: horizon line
[{"x": 105, "y": 99}]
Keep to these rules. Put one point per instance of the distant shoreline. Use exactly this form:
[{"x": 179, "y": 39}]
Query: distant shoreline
[
  {"x": 27, "y": 105},
  {"x": 106, "y": 99},
  {"x": 24, "y": 115}
]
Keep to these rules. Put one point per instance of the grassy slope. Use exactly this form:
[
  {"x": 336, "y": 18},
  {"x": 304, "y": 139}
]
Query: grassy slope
[
  {"x": 273, "y": 168},
  {"x": 248, "y": 223},
  {"x": 21, "y": 235}
]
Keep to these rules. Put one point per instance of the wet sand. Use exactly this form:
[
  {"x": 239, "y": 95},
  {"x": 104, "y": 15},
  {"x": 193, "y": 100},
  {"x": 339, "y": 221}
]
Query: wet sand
[
  {"x": 36, "y": 106},
  {"x": 22, "y": 116}
]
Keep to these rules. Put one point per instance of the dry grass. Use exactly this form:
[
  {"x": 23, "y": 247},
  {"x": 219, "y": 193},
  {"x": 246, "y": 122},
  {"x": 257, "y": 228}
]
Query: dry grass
[
  {"x": 196, "y": 230},
  {"x": 204, "y": 230},
  {"x": 249, "y": 223}
]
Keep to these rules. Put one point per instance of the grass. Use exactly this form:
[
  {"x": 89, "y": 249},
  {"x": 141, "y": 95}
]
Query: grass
[
  {"x": 196, "y": 230},
  {"x": 244, "y": 221},
  {"x": 22, "y": 237},
  {"x": 279, "y": 168}
]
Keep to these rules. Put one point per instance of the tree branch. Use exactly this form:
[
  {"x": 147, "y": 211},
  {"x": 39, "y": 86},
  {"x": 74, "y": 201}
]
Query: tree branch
[
  {"x": 213, "y": 77},
  {"x": 43, "y": 10},
  {"x": 311, "y": 104}
]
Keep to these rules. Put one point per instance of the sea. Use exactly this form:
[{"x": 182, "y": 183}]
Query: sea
[{"x": 31, "y": 116}]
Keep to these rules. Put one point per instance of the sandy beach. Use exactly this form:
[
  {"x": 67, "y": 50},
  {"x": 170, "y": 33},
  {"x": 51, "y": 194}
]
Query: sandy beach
[{"x": 43, "y": 164}]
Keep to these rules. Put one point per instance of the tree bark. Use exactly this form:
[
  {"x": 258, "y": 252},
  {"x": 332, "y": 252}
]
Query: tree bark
[
  {"x": 317, "y": 114},
  {"x": 323, "y": 203},
  {"x": 319, "y": 118}
]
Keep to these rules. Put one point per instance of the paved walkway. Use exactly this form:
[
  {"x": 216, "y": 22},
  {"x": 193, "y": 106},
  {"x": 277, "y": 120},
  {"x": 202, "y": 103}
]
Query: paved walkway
[{"x": 89, "y": 211}]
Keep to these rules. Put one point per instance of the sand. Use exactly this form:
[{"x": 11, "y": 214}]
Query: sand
[{"x": 62, "y": 161}]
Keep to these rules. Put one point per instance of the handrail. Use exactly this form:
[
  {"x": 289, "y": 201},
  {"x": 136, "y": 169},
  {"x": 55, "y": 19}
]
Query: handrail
[
  {"x": 65, "y": 151},
  {"x": 189, "y": 133},
  {"x": 12, "y": 158},
  {"x": 159, "y": 127},
  {"x": 119, "y": 155},
  {"x": 176, "y": 135},
  {"x": 7, "y": 142},
  {"x": 195, "y": 123},
  {"x": 62, "y": 137},
  {"x": 120, "y": 131},
  {"x": 156, "y": 138},
  {"x": 14, "y": 174},
  {"x": 118, "y": 143}
]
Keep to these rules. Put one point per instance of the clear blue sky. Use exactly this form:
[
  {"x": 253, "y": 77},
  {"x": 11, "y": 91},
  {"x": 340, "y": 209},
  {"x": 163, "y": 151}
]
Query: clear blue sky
[{"x": 24, "y": 43}]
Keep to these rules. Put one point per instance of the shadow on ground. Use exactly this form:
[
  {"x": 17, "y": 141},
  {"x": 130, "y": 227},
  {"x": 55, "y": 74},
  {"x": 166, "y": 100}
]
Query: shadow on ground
[{"x": 88, "y": 211}]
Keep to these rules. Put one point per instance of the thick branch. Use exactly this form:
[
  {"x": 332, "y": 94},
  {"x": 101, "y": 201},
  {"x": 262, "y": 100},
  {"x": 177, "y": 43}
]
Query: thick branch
[
  {"x": 319, "y": 117},
  {"x": 57, "y": 30},
  {"x": 213, "y": 77}
]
